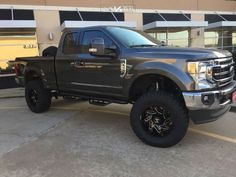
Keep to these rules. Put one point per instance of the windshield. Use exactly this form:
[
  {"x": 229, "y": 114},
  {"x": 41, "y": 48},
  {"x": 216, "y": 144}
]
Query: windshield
[{"x": 132, "y": 38}]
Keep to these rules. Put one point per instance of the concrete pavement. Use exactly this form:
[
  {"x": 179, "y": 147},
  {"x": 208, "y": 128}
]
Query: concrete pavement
[
  {"x": 12, "y": 92},
  {"x": 78, "y": 139}
]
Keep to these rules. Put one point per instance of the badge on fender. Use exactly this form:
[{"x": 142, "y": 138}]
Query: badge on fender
[{"x": 123, "y": 67}]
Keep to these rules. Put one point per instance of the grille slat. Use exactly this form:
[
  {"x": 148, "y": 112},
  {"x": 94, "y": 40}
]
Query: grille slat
[
  {"x": 224, "y": 79},
  {"x": 225, "y": 65},
  {"x": 223, "y": 71},
  {"x": 224, "y": 60}
]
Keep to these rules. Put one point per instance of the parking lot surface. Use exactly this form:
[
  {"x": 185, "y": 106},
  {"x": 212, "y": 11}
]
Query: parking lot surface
[{"x": 79, "y": 139}]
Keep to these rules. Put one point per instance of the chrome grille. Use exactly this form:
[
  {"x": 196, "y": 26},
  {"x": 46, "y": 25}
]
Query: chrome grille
[{"x": 223, "y": 71}]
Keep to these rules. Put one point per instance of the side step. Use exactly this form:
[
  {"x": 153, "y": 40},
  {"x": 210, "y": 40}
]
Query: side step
[{"x": 99, "y": 102}]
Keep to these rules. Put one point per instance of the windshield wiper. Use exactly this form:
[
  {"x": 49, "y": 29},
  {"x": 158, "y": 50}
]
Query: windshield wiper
[{"x": 143, "y": 45}]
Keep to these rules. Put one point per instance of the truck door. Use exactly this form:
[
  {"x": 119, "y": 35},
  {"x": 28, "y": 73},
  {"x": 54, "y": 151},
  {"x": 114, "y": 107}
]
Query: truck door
[
  {"x": 97, "y": 73},
  {"x": 67, "y": 53}
]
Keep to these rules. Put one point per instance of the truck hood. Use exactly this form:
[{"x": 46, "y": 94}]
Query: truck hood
[{"x": 182, "y": 53}]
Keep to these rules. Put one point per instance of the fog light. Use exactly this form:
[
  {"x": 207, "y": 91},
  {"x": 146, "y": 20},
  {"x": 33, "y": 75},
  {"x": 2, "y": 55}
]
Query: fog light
[{"x": 208, "y": 99}]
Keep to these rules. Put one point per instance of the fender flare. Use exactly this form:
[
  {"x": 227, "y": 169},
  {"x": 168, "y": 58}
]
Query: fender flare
[
  {"x": 180, "y": 78},
  {"x": 33, "y": 69}
]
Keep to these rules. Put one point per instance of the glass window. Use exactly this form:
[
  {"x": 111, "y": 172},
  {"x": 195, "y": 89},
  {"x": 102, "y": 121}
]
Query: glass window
[
  {"x": 211, "y": 39},
  {"x": 5, "y": 14},
  {"x": 172, "y": 38},
  {"x": 71, "y": 43},
  {"x": 131, "y": 38},
  {"x": 89, "y": 35},
  {"x": 161, "y": 36},
  {"x": 234, "y": 41},
  {"x": 221, "y": 39},
  {"x": 101, "y": 16},
  {"x": 178, "y": 38},
  {"x": 23, "y": 14}
]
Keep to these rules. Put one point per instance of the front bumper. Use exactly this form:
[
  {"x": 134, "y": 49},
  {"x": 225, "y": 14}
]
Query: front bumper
[{"x": 210, "y": 105}]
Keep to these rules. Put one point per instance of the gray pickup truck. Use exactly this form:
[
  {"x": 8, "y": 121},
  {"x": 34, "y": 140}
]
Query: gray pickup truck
[{"x": 167, "y": 86}]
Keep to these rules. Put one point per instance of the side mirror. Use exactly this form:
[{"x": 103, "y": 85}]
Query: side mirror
[{"x": 97, "y": 47}]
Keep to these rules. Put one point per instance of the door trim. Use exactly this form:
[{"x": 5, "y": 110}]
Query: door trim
[{"x": 96, "y": 85}]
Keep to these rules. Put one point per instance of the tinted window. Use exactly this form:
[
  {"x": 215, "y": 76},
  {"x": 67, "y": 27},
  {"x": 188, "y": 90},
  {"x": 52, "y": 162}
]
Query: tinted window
[
  {"x": 131, "y": 38},
  {"x": 230, "y": 17},
  {"x": 176, "y": 17},
  {"x": 69, "y": 15},
  {"x": 71, "y": 43},
  {"x": 23, "y": 14},
  {"x": 5, "y": 14},
  {"x": 89, "y": 35},
  {"x": 152, "y": 17},
  {"x": 102, "y": 16},
  {"x": 90, "y": 16},
  {"x": 212, "y": 18}
]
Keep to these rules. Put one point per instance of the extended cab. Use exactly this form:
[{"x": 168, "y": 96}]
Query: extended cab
[{"x": 167, "y": 86}]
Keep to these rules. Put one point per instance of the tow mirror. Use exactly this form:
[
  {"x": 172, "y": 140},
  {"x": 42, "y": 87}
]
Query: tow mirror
[{"x": 97, "y": 47}]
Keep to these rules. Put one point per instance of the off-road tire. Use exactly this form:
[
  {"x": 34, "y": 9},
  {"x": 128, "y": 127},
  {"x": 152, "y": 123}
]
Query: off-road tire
[
  {"x": 43, "y": 101},
  {"x": 178, "y": 114}
]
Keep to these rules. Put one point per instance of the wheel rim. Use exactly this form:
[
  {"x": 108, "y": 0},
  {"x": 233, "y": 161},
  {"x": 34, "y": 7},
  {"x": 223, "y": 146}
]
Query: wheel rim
[
  {"x": 33, "y": 97},
  {"x": 157, "y": 121}
]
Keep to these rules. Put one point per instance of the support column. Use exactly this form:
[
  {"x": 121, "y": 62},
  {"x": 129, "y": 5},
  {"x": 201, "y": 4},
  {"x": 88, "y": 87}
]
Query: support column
[
  {"x": 137, "y": 17},
  {"x": 197, "y": 34},
  {"x": 48, "y": 28}
]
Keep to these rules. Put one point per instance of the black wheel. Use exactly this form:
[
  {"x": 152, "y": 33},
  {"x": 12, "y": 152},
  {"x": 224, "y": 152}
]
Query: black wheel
[
  {"x": 38, "y": 99},
  {"x": 159, "y": 119}
]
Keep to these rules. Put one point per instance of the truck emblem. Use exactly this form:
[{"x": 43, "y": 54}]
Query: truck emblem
[{"x": 123, "y": 67}]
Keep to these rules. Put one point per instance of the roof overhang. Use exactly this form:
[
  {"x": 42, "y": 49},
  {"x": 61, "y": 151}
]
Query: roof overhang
[
  {"x": 17, "y": 24},
  {"x": 227, "y": 25},
  {"x": 81, "y": 24},
  {"x": 174, "y": 24}
]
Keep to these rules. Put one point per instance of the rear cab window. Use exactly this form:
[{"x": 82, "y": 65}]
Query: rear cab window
[{"x": 71, "y": 43}]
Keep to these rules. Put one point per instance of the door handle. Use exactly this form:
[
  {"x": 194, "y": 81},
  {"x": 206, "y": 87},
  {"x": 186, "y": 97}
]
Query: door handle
[
  {"x": 77, "y": 64},
  {"x": 81, "y": 63},
  {"x": 73, "y": 63}
]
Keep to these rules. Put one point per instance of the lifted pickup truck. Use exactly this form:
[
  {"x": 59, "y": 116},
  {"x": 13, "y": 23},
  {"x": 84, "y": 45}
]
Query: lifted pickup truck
[{"x": 167, "y": 86}]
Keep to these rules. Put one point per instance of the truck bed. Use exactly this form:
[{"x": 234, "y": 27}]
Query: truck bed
[
  {"x": 46, "y": 69},
  {"x": 36, "y": 58}
]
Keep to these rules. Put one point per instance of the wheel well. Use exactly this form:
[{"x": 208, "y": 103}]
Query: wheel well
[
  {"x": 30, "y": 76},
  {"x": 151, "y": 83}
]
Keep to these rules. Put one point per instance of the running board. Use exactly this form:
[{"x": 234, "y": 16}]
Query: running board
[{"x": 99, "y": 102}]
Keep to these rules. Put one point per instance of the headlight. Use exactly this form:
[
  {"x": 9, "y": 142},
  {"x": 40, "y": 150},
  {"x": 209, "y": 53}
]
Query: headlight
[{"x": 201, "y": 72}]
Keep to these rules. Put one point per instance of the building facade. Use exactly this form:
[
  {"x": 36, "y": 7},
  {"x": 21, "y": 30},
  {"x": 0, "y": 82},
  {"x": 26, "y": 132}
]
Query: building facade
[{"x": 28, "y": 27}]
